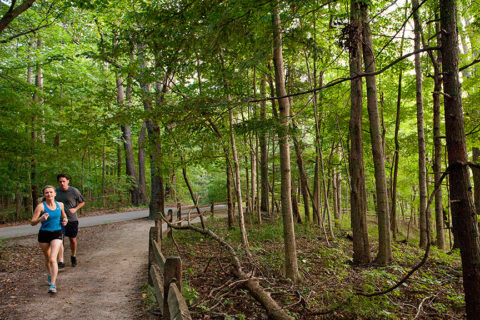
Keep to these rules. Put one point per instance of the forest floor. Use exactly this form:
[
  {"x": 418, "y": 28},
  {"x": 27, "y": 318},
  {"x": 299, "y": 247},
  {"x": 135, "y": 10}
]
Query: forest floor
[
  {"x": 330, "y": 282},
  {"x": 109, "y": 281}
]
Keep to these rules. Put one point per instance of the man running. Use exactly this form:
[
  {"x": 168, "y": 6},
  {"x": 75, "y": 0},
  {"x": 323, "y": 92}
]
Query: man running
[{"x": 73, "y": 201}]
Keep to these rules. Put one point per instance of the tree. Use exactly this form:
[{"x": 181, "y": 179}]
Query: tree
[
  {"x": 384, "y": 255},
  {"x": 358, "y": 195},
  {"x": 291, "y": 264},
  {"x": 463, "y": 212}
]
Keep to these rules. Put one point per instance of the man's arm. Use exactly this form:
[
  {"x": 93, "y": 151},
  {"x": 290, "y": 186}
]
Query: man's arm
[{"x": 78, "y": 207}]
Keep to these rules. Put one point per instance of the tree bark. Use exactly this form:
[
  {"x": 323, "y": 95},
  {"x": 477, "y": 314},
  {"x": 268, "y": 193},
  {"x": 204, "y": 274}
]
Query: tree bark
[
  {"x": 476, "y": 179},
  {"x": 422, "y": 162},
  {"x": 463, "y": 211},
  {"x": 437, "y": 141},
  {"x": 384, "y": 255},
  {"x": 141, "y": 165},
  {"x": 358, "y": 194},
  {"x": 302, "y": 174},
  {"x": 157, "y": 197},
  {"x": 396, "y": 154},
  {"x": 130, "y": 170},
  {"x": 263, "y": 151},
  {"x": 291, "y": 264},
  {"x": 238, "y": 187}
]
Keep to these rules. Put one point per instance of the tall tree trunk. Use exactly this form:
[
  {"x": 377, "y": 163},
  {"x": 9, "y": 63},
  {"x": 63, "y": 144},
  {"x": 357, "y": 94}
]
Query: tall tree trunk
[
  {"x": 38, "y": 101},
  {"x": 157, "y": 197},
  {"x": 263, "y": 150},
  {"x": 130, "y": 170},
  {"x": 358, "y": 194},
  {"x": 142, "y": 191},
  {"x": 291, "y": 264},
  {"x": 396, "y": 154},
  {"x": 384, "y": 255},
  {"x": 275, "y": 116},
  {"x": 437, "y": 141},
  {"x": 476, "y": 179},
  {"x": 302, "y": 174},
  {"x": 238, "y": 187},
  {"x": 463, "y": 211},
  {"x": 339, "y": 184},
  {"x": 422, "y": 162}
]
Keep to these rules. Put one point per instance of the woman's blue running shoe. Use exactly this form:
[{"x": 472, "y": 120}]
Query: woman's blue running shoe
[{"x": 52, "y": 289}]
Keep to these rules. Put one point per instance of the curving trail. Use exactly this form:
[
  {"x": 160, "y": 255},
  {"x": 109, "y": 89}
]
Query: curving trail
[{"x": 106, "y": 283}]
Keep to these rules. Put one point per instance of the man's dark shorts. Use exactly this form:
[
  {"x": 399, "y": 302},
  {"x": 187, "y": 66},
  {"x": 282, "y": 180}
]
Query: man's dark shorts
[
  {"x": 47, "y": 236},
  {"x": 71, "y": 229}
]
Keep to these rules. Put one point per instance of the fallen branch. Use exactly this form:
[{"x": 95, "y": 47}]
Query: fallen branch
[{"x": 274, "y": 311}]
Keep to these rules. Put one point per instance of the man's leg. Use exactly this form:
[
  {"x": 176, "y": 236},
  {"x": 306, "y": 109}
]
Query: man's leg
[{"x": 73, "y": 248}]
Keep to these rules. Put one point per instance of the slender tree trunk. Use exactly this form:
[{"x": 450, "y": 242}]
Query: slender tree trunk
[
  {"x": 38, "y": 101},
  {"x": 393, "y": 215},
  {"x": 238, "y": 187},
  {"x": 157, "y": 197},
  {"x": 141, "y": 165},
  {"x": 463, "y": 211},
  {"x": 230, "y": 205},
  {"x": 291, "y": 264},
  {"x": 104, "y": 171},
  {"x": 437, "y": 141},
  {"x": 339, "y": 185},
  {"x": 384, "y": 255},
  {"x": 422, "y": 163},
  {"x": 130, "y": 169},
  {"x": 263, "y": 151},
  {"x": 296, "y": 211},
  {"x": 358, "y": 194},
  {"x": 476, "y": 179},
  {"x": 302, "y": 175}
]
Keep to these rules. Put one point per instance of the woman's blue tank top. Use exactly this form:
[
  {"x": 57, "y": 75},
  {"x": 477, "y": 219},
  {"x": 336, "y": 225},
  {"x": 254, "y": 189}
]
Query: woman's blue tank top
[{"x": 53, "y": 221}]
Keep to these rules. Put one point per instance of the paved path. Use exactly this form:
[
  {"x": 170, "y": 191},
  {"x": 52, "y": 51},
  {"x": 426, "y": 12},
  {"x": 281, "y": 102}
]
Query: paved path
[{"x": 25, "y": 230}]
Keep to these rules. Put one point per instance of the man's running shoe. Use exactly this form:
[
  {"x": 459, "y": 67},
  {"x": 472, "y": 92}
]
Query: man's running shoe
[
  {"x": 52, "y": 289},
  {"x": 73, "y": 260},
  {"x": 61, "y": 265},
  {"x": 49, "y": 279}
]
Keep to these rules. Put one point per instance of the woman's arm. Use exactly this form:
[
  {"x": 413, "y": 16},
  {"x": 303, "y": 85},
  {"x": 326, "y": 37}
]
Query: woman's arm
[
  {"x": 36, "y": 215},
  {"x": 63, "y": 218}
]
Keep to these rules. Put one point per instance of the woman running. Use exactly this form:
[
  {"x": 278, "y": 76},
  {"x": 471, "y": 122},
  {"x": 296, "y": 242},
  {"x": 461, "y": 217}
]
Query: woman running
[{"x": 52, "y": 216}]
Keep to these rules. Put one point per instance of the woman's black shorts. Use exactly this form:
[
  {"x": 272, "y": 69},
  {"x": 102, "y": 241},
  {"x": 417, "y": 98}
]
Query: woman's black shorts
[{"x": 47, "y": 236}]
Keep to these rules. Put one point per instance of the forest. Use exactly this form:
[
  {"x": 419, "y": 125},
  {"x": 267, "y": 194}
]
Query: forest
[{"x": 343, "y": 119}]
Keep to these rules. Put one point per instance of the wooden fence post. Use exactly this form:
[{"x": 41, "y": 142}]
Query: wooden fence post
[
  {"x": 172, "y": 272},
  {"x": 212, "y": 208},
  {"x": 151, "y": 237},
  {"x": 179, "y": 211}
]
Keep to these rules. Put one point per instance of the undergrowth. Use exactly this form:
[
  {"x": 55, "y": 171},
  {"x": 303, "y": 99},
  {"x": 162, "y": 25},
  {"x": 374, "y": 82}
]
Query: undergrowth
[{"x": 330, "y": 285}]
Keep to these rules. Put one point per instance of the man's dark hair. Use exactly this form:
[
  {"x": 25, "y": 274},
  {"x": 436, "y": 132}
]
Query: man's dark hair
[{"x": 63, "y": 175}]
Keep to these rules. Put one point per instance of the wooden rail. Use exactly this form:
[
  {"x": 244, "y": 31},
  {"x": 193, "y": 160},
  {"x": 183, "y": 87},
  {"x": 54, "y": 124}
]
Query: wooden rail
[{"x": 165, "y": 275}]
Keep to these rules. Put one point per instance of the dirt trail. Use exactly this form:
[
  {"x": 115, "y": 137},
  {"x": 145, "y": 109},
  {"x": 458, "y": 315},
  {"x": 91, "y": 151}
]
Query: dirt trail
[{"x": 105, "y": 284}]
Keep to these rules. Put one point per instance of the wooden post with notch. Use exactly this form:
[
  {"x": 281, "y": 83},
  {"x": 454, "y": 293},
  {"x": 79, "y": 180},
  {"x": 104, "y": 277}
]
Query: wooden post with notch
[
  {"x": 171, "y": 273},
  {"x": 151, "y": 237}
]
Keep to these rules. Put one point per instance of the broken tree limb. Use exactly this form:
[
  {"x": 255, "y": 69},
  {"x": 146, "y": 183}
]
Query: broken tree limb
[{"x": 274, "y": 310}]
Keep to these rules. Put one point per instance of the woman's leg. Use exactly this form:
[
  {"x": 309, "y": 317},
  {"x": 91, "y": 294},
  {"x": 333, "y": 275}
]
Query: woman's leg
[
  {"x": 46, "y": 252},
  {"x": 54, "y": 247}
]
